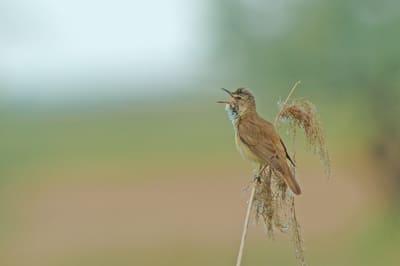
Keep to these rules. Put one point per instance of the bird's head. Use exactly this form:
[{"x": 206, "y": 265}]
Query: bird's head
[{"x": 241, "y": 100}]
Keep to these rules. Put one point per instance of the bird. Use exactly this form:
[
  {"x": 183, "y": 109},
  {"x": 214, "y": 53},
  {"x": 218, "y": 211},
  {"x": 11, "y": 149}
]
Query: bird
[{"x": 257, "y": 139}]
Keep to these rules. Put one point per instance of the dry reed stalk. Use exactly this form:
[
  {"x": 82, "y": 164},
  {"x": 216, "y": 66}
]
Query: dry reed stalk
[
  {"x": 285, "y": 102},
  {"x": 245, "y": 226}
]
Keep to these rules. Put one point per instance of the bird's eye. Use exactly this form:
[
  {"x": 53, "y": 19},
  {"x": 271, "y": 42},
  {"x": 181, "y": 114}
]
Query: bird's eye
[{"x": 238, "y": 97}]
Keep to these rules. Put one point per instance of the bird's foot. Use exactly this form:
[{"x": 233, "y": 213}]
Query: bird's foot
[{"x": 257, "y": 178}]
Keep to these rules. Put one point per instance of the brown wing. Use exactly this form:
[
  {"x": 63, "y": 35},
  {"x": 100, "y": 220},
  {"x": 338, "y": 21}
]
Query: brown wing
[
  {"x": 287, "y": 154},
  {"x": 263, "y": 140}
]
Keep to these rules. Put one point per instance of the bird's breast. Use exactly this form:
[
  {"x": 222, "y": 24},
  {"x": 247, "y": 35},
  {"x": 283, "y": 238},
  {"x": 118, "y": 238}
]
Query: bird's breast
[
  {"x": 233, "y": 115},
  {"x": 244, "y": 150}
]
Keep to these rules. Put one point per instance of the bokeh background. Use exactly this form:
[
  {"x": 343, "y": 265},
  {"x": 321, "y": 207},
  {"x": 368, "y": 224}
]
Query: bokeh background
[{"x": 114, "y": 152}]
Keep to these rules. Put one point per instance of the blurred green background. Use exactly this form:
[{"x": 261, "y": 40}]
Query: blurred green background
[{"x": 114, "y": 152}]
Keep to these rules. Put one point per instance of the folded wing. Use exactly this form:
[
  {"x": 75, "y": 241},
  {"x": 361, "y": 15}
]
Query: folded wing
[{"x": 263, "y": 141}]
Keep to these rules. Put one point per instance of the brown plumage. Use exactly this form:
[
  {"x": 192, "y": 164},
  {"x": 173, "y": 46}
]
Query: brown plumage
[{"x": 256, "y": 138}]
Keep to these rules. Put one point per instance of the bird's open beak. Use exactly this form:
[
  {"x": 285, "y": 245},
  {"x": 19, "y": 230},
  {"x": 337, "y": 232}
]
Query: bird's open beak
[{"x": 227, "y": 101}]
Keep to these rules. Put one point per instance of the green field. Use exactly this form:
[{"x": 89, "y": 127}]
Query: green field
[{"x": 162, "y": 186}]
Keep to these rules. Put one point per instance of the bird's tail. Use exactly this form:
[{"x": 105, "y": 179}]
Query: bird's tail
[{"x": 290, "y": 180}]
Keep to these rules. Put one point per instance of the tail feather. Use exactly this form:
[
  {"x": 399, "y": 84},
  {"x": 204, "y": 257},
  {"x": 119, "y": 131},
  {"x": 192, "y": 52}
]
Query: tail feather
[
  {"x": 289, "y": 177},
  {"x": 292, "y": 183}
]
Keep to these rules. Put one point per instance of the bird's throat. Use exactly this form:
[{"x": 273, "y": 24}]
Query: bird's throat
[{"x": 233, "y": 113}]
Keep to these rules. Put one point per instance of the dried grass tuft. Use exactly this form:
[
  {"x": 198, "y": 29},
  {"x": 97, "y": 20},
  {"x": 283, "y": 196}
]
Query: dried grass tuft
[
  {"x": 302, "y": 114},
  {"x": 274, "y": 204}
]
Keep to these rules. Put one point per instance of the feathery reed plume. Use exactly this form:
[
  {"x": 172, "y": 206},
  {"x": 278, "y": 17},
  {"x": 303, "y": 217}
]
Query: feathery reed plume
[
  {"x": 302, "y": 114},
  {"x": 274, "y": 204}
]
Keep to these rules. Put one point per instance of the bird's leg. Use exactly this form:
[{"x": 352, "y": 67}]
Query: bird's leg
[{"x": 257, "y": 177}]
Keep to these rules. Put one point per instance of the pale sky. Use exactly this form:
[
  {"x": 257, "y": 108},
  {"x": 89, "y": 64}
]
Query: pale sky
[{"x": 55, "y": 49}]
